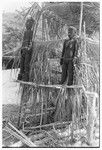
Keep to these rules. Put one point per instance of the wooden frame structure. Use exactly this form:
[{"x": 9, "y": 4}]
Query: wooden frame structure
[{"x": 74, "y": 93}]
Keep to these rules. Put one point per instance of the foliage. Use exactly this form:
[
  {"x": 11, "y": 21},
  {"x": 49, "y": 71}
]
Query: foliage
[
  {"x": 69, "y": 12},
  {"x": 12, "y": 31},
  {"x": 57, "y": 15}
]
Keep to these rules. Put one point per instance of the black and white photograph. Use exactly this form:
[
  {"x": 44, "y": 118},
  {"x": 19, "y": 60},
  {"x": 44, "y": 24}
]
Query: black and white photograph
[{"x": 50, "y": 74}]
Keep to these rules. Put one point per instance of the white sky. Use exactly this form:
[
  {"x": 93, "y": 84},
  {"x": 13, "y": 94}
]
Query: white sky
[{"x": 12, "y": 5}]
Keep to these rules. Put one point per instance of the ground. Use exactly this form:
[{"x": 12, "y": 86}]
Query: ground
[
  {"x": 10, "y": 89},
  {"x": 11, "y": 101}
]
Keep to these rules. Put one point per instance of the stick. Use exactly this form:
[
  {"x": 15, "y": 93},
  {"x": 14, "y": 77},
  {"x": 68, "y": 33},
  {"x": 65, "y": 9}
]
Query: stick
[
  {"x": 49, "y": 86},
  {"x": 43, "y": 28},
  {"x": 25, "y": 140},
  {"x": 16, "y": 130},
  {"x": 85, "y": 55},
  {"x": 46, "y": 125},
  {"x": 81, "y": 15},
  {"x": 91, "y": 119},
  {"x": 41, "y": 119}
]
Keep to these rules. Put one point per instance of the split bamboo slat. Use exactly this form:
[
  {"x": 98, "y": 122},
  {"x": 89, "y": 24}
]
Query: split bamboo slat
[{"x": 19, "y": 135}]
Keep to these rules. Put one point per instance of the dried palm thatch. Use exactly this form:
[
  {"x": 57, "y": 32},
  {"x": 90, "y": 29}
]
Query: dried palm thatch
[
  {"x": 41, "y": 72},
  {"x": 89, "y": 66}
]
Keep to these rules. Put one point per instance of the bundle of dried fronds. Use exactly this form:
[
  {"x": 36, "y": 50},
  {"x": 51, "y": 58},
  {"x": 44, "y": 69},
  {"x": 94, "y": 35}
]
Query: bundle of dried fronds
[
  {"x": 41, "y": 72},
  {"x": 87, "y": 72}
]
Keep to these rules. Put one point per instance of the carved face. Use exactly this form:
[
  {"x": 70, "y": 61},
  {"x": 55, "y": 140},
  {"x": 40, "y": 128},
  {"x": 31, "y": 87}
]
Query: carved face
[
  {"x": 29, "y": 23},
  {"x": 71, "y": 32}
]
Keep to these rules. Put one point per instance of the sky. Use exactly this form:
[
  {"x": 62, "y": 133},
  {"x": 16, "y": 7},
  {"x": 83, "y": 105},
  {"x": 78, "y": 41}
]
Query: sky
[{"x": 13, "y": 5}]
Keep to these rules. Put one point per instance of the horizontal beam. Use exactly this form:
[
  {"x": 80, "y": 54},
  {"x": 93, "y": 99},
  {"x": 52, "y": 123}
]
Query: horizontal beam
[
  {"x": 59, "y": 87},
  {"x": 47, "y": 125},
  {"x": 49, "y": 86}
]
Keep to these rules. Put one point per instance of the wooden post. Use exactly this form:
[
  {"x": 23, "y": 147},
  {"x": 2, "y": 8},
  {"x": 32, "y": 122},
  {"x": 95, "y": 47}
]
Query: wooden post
[
  {"x": 81, "y": 15},
  {"x": 90, "y": 101},
  {"x": 43, "y": 28},
  {"x": 91, "y": 117},
  {"x": 47, "y": 31},
  {"x": 86, "y": 68},
  {"x": 73, "y": 101},
  {"x": 85, "y": 56},
  {"x": 41, "y": 119}
]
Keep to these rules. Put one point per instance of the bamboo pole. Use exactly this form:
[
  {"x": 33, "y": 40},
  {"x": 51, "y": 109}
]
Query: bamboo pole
[
  {"x": 47, "y": 125},
  {"x": 47, "y": 30},
  {"x": 81, "y": 16},
  {"x": 49, "y": 86},
  {"x": 91, "y": 118},
  {"x": 85, "y": 55},
  {"x": 19, "y": 135},
  {"x": 41, "y": 119},
  {"x": 43, "y": 39},
  {"x": 43, "y": 28}
]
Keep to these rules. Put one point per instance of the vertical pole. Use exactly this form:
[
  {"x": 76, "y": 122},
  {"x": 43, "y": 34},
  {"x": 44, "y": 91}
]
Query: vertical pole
[
  {"x": 47, "y": 30},
  {"x": 43, "y": 28},
  {"x": 72, "y": 100},
  {"x": 81, "y": 16},
  {"x": 85, "y": 55},
  {"x": 91, "y": 117},
  {"x": 43, "y": 24},
  {"x": 41, "y": 119},
  {"x": 45, "y": 90},
  {"x": 86, "y": 71},
  {"x": 90, "y": 100}
]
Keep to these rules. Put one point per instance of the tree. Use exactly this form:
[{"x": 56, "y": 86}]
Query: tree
[{"x": 12, "y": 31}]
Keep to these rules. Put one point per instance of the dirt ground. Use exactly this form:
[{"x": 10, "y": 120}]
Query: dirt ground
[
  {"x": 10, "y": 89},
  {"x": 11, "y": 101}
]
